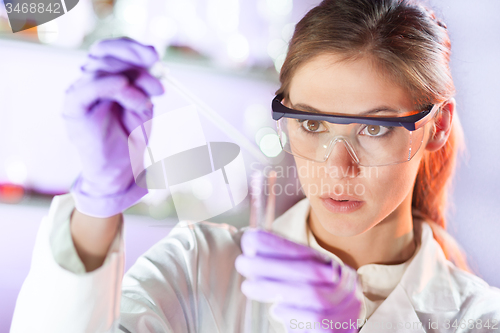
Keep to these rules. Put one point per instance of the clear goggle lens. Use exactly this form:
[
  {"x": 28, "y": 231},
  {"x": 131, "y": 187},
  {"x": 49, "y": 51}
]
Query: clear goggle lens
[{"x": 368, "y": 145}]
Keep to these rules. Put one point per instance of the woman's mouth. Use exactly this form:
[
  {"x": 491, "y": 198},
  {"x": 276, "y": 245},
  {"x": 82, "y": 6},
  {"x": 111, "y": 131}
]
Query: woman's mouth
[{"x": 342, "y": 205}]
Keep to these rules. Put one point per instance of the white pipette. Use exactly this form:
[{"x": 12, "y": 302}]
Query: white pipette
[{"x": 161, "y": 71}]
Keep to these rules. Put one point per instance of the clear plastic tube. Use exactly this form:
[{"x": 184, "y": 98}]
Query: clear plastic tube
[{"x": 256, "y": 312}]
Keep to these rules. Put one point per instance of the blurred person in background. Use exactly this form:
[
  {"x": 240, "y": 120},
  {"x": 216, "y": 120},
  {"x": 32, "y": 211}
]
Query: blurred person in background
[{"x": 366, "y": 83}]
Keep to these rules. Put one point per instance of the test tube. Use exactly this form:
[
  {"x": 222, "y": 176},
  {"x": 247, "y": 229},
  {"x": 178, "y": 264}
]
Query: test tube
[{"x": 256, "y": 312}]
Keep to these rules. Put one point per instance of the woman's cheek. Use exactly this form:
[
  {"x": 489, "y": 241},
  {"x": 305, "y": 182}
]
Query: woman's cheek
[
  {"x": 393, "y": 185},
  {"x": 308, "y": 177}
]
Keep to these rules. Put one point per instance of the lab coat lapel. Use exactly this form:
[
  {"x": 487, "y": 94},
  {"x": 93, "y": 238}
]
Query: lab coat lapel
[
  {"x": 395, "y": 314},
  {"x": 425, "y": 287},
  {"x": 427, "y": 279}
]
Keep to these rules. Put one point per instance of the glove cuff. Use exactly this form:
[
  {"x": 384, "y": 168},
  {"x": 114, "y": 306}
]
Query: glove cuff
[{"x": 106, "y": 206}]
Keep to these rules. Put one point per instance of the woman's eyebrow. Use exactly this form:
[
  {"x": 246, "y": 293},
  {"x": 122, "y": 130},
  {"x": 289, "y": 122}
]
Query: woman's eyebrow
[{"x": 309, "y": 108}]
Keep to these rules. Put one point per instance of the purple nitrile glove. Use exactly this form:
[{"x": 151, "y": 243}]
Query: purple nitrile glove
[
  {"x": 101, "y": 109},
  {"x": 306, "y": 286}
]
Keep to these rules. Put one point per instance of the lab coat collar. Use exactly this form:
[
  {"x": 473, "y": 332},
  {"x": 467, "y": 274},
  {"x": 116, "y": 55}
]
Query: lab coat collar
[
  {"x": 427, "y": 280},
  {"x": 426, "y": 286}
]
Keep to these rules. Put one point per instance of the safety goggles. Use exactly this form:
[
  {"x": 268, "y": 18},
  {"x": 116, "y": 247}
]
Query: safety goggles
[{"x": 371, "y": 141}]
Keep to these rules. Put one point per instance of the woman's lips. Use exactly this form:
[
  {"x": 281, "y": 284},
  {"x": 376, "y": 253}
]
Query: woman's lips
[{"x": 338, "y": 206}]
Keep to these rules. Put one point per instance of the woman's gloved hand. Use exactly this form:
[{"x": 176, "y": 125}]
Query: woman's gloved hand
[
  {"x": 101, "y": 109},
  {"x": 306, "y": 286}
]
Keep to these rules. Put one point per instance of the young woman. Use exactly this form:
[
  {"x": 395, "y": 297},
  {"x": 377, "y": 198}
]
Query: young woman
[{"x": 366, "y": 107}]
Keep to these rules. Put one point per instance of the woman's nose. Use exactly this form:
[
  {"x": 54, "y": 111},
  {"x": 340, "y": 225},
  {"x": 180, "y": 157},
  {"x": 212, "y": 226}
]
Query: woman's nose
[{"x": 342, "y": 160}]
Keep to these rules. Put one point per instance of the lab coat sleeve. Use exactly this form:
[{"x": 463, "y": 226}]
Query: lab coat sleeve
[
  {"x": 184, "y": 283},
  {"x": 58, "y": 295}
]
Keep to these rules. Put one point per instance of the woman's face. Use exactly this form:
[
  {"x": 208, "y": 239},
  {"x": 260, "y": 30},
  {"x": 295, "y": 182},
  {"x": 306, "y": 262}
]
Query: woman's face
[{"x": 375, "y": 193}]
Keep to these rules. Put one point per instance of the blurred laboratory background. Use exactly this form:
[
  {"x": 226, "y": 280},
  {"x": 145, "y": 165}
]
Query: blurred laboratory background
[{"x": 227, "y": 53}]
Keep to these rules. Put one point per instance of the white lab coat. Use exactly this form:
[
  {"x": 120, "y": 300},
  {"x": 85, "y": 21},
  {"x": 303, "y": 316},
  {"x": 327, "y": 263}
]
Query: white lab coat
[{"x": 187, "y": 283}]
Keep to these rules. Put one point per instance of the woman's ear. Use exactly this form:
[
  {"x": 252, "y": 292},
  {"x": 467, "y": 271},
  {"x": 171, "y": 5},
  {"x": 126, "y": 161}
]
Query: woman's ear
[{"x": 442, "y": 126}]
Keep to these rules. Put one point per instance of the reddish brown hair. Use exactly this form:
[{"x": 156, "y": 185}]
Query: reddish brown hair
[{"x": 409, "y": 44}]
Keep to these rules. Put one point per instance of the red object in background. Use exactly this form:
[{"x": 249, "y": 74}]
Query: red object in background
[{"x": 11, "y": 193}]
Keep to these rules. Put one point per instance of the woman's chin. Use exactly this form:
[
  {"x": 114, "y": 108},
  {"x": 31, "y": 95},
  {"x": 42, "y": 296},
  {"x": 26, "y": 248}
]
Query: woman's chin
[{"x": 343, "y": 229}]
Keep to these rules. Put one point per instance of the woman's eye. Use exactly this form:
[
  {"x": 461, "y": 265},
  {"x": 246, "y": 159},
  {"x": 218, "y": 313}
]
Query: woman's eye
[
  {"x": 311, "y": 125},
  {"x": 374, "y": 130}
]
